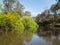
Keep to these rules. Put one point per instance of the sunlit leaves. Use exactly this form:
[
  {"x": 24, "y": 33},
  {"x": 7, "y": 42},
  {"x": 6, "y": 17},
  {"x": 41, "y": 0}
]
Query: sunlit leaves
[
  {"x": 11, "y": 21},
  {"x": 29, "y": 24}
]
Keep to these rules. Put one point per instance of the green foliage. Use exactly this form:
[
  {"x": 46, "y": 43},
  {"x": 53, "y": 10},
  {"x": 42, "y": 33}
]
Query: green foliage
[
  {"x": 11, "y": 22},
  {"x": 29, "y": 24},
  {"x": 11, "y": 29}
]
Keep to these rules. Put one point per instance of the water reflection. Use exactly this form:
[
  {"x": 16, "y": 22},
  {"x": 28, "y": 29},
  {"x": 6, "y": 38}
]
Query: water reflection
[
  {"x": 43, "y": 40},
  {"x": 36, "y": 40},
  {"x": 44, "y": 36},
  {"x": 56, "y": 41}
]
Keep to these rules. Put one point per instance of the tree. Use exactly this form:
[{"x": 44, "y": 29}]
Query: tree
[
  {"x": 55, "y": 8},
  {"x": 39, "y": 17},
  {"x": 19, "y": 8},
  {"x": 27, "y": 13},
  {"x": 58, "y": 4},
  {"x": 8, "y": 5},
  {"x": 44, "y": 15}
]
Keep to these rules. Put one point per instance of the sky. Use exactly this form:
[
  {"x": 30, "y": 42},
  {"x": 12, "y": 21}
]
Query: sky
[{"x": 36, "y": 6}]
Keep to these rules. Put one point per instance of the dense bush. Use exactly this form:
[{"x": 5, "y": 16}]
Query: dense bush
[
  {"x": 29, "y": 24},
  {"x": 11, "y": 22},
  {"x": 11, "y": 29}
]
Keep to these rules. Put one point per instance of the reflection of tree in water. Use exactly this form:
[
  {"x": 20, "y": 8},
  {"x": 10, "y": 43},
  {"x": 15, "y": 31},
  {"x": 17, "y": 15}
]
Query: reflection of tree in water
[
  {"x": 11, "y": 39},
  {"x": 28, "y": 37},
  {"x": 56, "y": 41},
  {"x": 48, "y": 40},
  {"x": 45, "y": 31},
  {"x": 51, "y": 40}
]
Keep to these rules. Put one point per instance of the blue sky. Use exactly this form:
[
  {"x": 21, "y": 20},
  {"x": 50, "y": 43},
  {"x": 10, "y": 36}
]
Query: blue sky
[{"x": 36, "y": 6}]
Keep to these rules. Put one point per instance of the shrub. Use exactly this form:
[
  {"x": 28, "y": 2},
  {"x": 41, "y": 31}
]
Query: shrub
[
  {"x": 11, "y": 28},
  {"x": 29, "y": 24},
  {"x": 11, "y": 22}
]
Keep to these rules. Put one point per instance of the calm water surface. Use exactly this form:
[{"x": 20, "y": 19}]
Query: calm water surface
[{"x": 40, "y": 40}]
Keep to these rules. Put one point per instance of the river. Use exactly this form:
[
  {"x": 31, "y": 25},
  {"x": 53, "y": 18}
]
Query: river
[{"x": 43, "y": 40}]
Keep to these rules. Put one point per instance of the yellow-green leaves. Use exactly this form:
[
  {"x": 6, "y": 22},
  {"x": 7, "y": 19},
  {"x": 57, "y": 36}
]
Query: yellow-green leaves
[
  {"x": 11, "y": 22},
  {"x": 29, "y": 24}
]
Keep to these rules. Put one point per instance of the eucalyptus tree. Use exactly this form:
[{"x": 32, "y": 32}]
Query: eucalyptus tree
[
  {"x": 8, "y": 5},
  {"x": 55, "y": 9},
  {"x": 19, "y": 8}
]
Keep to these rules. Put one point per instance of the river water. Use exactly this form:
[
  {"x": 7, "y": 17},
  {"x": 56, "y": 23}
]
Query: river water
[{"x": 43, "y": 40}]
